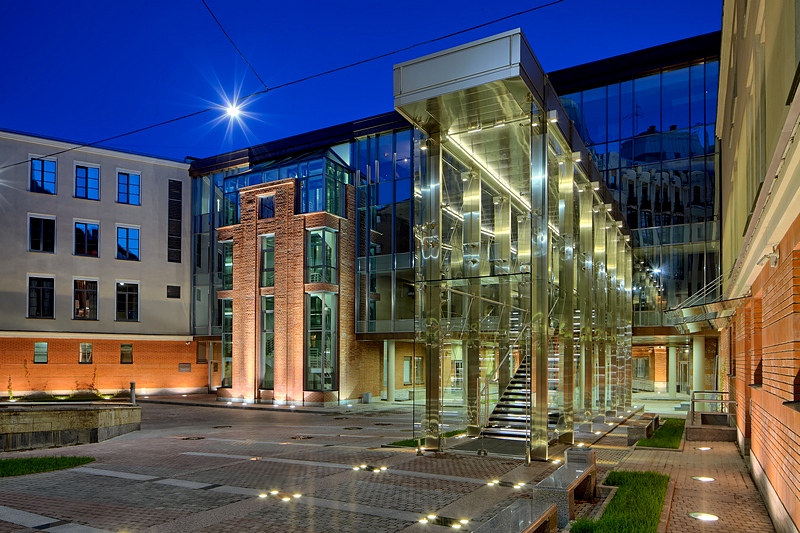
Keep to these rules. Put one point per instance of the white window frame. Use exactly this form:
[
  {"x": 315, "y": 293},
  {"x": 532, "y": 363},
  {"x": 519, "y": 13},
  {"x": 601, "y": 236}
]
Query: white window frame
[
  {"x": 55, "y": 235},
  {"x": 75, "y": 165},
  {"x": 97, "y": 303},
  {"x": 138, "y": 301},
  {"x": 116, "y": 185},
  {"x": 31, "y": 157},
  {"x": 116, "y": 236},
  {"x": 74, "y": 233},
  {"x": 28, "y": 295}
]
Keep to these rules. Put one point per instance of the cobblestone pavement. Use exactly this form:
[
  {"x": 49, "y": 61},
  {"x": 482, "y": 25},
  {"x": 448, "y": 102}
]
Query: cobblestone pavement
[
  {"x": 197, "y": 468},
  {"x": 732, "y": 495}
]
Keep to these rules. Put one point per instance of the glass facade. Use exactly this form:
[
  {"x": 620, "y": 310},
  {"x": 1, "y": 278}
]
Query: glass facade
[
  {"x": 652, "y": 138},
  {"x": 321, "y": 177},
  {"x": 522, "y": 262},
  {"x": 384, "y": 218}
]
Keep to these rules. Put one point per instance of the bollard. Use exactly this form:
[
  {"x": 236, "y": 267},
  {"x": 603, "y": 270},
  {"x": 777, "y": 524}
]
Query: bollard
[{"x": 133, "y": 393}]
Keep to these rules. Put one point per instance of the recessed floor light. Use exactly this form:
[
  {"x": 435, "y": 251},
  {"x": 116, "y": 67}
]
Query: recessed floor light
[
  {"x": 703, "y": 478},
  {"x": 705, "y": 517},
  {"x": 703, "y": 448}
]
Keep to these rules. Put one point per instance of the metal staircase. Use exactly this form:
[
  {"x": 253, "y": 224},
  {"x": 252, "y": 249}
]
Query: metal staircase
[{"x": 511, "y": 417}]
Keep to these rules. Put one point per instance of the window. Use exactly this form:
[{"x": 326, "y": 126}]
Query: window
[
  {"x": 128, "y": 190},
  {"x": 87, "y": 239},
  {"x": 266, "y": 207},
  {"x": 85, "y": 296},
  {"x": 127, "y": 243},
  {"x": 267, "y": 366},
  {"x": 415, "y": 374},
  {"x": 43, "y": 176},
  {"x": 126, "y": 354},
  {"x": 85, "y": 356},
  {"x": 641, "y": 367},
  {"x": 127, "y": 301},
  {"x": 41, "y": 296},
  {"x": 321, "y": 362},
  {"x": 227, "y": 342},
  {"x": 321, "y": 253},
  {"x": 40, "y": 353},
  {"x": 173, "y": 291},
  {"x": 174, "y": 221},
  {"x": 268, "y": 261},
  {"x": 227, "y": 265},
  {"x": 42, "y": 235},
  {"x": 87, "y": 182}
]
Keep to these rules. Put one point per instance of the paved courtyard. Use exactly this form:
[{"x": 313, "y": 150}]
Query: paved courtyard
[{"x": 196, "y": 468}]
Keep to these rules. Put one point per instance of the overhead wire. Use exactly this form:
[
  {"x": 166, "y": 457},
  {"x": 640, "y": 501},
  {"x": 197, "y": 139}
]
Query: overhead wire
[
  {"x": 246, "y": 62},
  {"x": 267, "y": 89}
]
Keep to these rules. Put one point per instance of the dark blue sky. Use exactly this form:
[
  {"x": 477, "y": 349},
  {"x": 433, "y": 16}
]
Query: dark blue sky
[{"x": 86, "y": 70}]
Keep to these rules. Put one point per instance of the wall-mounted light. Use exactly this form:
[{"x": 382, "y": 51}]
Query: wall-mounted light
[{"x": 552, "y": 116}]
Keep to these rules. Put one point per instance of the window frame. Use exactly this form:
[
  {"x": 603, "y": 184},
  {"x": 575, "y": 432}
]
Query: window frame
[
  {"x": 83, "y": 352},
  {"x": 39, "y": 216},
  {"x": 328, "y": 328},
  {"x": 52, "y": 296},
  {"x": 86, "y": 222},
  {"x": 31, "y": 159},
  {"x": 39, "y": 355},
  {"x": 126, "y": 283},
  {"x": 76, "y": 300},
  {"x": 264, "y": 251},
  {"x": 128, "y": 228},
  {"x": 263, "y": 206},
  {"x": 80, "y": 164},
  {"x": 125, "y": 359},
  {"x": 325, "y": 271},
  {"x": 128, "y": 173}
]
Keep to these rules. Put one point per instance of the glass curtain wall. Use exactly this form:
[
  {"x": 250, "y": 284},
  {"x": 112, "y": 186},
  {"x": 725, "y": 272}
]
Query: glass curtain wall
[
  {"x": 385, "y": 265},
  {"x": 652, "y": 138},
  {"x": 523, "y": 282}
]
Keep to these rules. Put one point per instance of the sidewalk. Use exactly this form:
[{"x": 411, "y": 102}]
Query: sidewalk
[{"x": 192, "y": 468}]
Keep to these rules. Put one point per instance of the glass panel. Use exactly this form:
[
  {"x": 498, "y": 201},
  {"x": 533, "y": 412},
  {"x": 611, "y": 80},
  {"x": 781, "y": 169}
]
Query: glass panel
[
  {"x": 227, "y": 343},
  {"x": 594, "y": 114},
  {"x": 647, "y": 104},
  {"x": 613, "y": 112},
  {"x": 675, "y": 99},
  {"x": 40, "y": 352},
  {"x": 267, "y": 366},
  {"x": 268, "y": 261}
]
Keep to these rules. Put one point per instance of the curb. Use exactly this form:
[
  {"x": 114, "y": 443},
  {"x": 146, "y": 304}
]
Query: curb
[{"x": 663, "y": 521}]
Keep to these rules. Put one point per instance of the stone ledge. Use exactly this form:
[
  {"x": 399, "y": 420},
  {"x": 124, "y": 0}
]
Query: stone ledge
[{"x": 27, "y": 427}]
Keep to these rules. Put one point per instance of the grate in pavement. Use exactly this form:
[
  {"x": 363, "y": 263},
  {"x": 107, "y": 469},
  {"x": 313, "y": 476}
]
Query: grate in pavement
[
  {"x": 301, "y": 437},
  {"x": 352, "y": 428}
]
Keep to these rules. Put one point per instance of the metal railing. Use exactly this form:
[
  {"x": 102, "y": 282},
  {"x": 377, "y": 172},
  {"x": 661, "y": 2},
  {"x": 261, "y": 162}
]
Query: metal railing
[{"x": 711, "y": 402}]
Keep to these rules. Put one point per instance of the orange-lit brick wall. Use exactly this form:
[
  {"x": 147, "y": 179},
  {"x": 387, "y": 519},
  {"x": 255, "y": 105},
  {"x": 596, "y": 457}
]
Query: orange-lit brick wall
[
  {"x": 154, "y": 368},
  {"x": 766, "y": 330}
]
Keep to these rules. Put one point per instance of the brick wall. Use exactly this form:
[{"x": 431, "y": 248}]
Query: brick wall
[
  {"x": 359, "y": 363},
  {"x": 154, "y": 368},
  {"x": 766, "y": 329}
]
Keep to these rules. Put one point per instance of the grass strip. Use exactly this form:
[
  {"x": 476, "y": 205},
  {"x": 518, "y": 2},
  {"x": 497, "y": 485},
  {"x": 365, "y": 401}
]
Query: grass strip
[
  {"x": 34, "y": 465},
  {"x": 413, "y": 443},
  {"x": 635, "y": 508},
  {"x": 667, "y": 436}
]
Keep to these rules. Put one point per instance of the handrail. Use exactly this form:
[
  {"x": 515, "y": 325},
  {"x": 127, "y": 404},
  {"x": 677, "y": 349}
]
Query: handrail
[
  {"x": 700, "y": 296},
  {"x": 721, "y": 402}
]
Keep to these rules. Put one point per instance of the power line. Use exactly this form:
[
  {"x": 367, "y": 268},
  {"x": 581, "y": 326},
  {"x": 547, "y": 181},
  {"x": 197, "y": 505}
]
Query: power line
[
  {"x": 234, "y": 45},
  {"x": 267, "y": 89}
]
